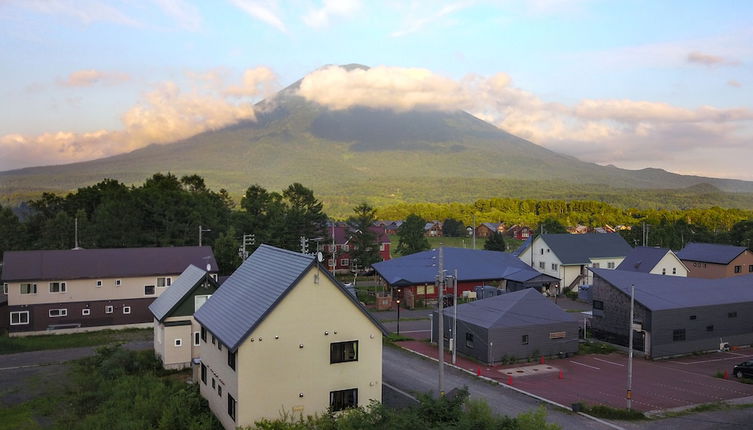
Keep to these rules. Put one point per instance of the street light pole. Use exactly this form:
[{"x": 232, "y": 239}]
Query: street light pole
[
  {"x": 398, "y": 311},
  {"x": 455, "y": 318},
  {"x": 629, "y": 395},
  {"x": 440, "y": 319}
]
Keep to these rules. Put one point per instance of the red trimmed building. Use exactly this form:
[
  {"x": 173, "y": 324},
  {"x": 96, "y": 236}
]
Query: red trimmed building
[{"x": 342, "y": 247}]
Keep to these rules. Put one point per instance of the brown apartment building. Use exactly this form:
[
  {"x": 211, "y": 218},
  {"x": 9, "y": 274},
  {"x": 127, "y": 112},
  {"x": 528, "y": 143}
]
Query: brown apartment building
[
  {"x": 713, "y": 261},
  {"x": 92, "y": 288}
]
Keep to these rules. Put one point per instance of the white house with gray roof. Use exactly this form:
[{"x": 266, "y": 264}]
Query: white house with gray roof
[
  {"x": 568, "y": 256},
  {"x": 658, "y": 261},
  {"x": 176, "y": 333},
  {"x": 281, "y": 335}
]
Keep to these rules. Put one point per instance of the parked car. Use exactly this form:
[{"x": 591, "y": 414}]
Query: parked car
[{"x": 743, "y": 370}]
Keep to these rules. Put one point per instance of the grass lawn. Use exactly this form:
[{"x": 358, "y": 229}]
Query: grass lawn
[
  {"x": 11, "y": 345},
  {"x": 456, "y": 242}
]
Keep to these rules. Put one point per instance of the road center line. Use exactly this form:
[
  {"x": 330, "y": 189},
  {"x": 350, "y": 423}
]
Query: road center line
[
  {"x": 393, "y": 388},
  {"x": 585, "y": 365},
  {"x": 610, "y": 362}
]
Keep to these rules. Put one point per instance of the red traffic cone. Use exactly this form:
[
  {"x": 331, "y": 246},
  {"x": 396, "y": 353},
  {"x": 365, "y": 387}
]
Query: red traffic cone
[
  {"x": 726, "y": 375},
  {"x": 509, "y": 379},
  {"x": 561, "y": 375},
  {"x": 478, "y": 371},
  {"x": 541, "y": 360}
]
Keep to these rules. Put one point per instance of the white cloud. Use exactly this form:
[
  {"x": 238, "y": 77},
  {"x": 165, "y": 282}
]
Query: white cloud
[
  {"x": 263, "y": 10},
  {"x": 184, "y": 13},
  {"x": 85, "y": 11},
  {"x": 260, "y": 81},
  {"x": 89, "y": 77},
  {"x": 320, "y": 17},
  {"x": 429, "y": 16},
  {"x": 710, "y": 59}
]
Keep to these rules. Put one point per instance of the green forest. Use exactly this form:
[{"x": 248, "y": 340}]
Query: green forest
[{"x": 169, "y": 211}]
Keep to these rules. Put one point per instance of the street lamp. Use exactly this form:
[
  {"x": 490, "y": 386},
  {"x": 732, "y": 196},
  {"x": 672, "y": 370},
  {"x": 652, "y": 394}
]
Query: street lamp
[
  {"x": 398, "y": 311},
  {"x": 202, "y": 230}
]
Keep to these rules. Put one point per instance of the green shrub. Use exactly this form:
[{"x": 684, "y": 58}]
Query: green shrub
[{"x": 610, "y": 413}]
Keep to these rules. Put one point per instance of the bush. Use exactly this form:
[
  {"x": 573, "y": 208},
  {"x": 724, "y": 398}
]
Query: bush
[
  {"x": 610, "y": 413},
  {"x": 593, "y": 347}
]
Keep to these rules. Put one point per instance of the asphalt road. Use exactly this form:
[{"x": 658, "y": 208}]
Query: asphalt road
[
  {"x": 413, "y": 374},
  {"x": 11, "y": 362}
]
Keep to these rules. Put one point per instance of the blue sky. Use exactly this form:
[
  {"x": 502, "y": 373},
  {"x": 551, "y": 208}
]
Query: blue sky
[{"x": 632, "y": 83}]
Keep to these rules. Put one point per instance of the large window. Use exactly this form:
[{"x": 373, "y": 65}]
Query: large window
[
  {"x": 231, "y": 406},
  {"x": 19, "y": 318},
  {"x": 164, "y": 282},
  {"x": 57, "y": 287},
  {"x": 340, "y": 352},
  {"x": 524, "y": 339},
  {"x": 469, "y": 340},
  {"x": 678, "y": 335},
  {"x": 28, "y": 288},
  {"x": 343, "y": 399},
  {"x": 148, "y": 290}
]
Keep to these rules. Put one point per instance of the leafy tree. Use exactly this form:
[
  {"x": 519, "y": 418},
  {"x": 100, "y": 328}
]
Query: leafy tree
[
  {"x": 303, "y": 217},
  {"x": 12, "y": 233},
  {"x": 552, "y": 226},
  {"x": 411, "y": 234},
  {"x": 453, "y": 228},
  {"x": 742, "y": 233},
  {"x": 495, "y": 242},
  {"x": 226, "y": 251},
  {"x": 365, "y": 250}
]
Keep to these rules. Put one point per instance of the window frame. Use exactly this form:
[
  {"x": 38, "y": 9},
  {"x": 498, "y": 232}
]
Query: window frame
[
  {"x": 62, "y": 287},
  {"x": 345, "y": 262},
  {"x": 126, "y": 310},
  {"x": 20, "y": 320},
  {"x": 99, "y": 283},
  {"x": 231, "y": 407},
  {"x": 178, "y": 342},
  {"x": 203, "y": 373},
  {"x": 153, "y": 289},
  {"x": 109, "y": 309},
  {"x": 118, "y": 282},
  {"x": 469, "y": 340},
  {"x": 738, "y": 268},
  {"x": 339, "y": 404},
  {"x": 678, "y": 335},
  {"x": 85, "y": 312},
  {"x": 196, "y": 338},
  {"x": 231, "y": 359},
  {"x": 338, "y": 352},
  {"x": 31, "y": 288},
  {"x": 203, "y": 334},
  {"x": 61, "y": 312},
  {"x": 525, "y": 339},
  {"x": 5, "y": 288},
  {"x": 166, "y": 281}
]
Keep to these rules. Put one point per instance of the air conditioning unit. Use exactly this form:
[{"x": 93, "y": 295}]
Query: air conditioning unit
[{"x": 723, "y": 346}]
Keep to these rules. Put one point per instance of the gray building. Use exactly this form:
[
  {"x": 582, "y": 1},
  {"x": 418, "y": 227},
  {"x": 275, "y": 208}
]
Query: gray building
[
  {"x": 520, "y": 324},
  {"x": 673, "y": 315}
]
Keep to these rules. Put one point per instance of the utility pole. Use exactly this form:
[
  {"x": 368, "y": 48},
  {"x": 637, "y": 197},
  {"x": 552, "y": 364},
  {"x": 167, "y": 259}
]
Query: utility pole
[
  {"x": 440, "y": 319},
  {"x": 247, "y": 241},
  {"x": 304, "y": 245},
  {"x": 202, "y": 230},
  {"x": 75, "y": 238},
  {"x": 455, "y": 318},
  {"x": 629, "y": 395},
  {"x": 474, "y": 231}
]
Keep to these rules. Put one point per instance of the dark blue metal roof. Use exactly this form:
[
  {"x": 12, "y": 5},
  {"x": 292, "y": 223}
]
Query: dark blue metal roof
[
  {"x": 643, "y": 259},
  {"x": 581, "y": 248},
  {"x": 255, "y": 289},
  {"x": 471, "y": 264},
  {"x": 661, "y": 292},
  {"x": 526, "y": 243},
  {"x": 521, "y": 308},
  {"x": 710, "y": 252},
  {"x": 189, "y": 280}
]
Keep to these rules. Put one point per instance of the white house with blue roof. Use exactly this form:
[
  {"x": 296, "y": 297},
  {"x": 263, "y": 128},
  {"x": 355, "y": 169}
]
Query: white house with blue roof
[
  {"x": 658, "y": 261},
  {"x": 281, "y": 335}
]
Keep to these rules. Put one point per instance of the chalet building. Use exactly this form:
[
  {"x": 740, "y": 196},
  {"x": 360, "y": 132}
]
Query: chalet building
[
  {"x": 433, "y": 229},
  {"x": 486, "y": 229},
  {"x": 338, "y": 251},
  {"x": 520, "y": 232},
  {"x": 281, "y": 335},
  {"x": 176, "y": 333},
  {"x": 415, "y": 274},
  {"x": 568, "y": 256},
  {"x": 712, "y": 261},
  {"x": 520, "y": 324},
  {"x": 92, "y": 288},
  {"x": 658, "y": 261},
  {"x": 674, "y": 315}
]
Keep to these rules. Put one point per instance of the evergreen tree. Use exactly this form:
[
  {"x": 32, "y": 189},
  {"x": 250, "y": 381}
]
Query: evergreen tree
[
  {"x": 495, "y": 242},
  {"x": 453, "y": 228},
  {"x": 365, "y": 250},
  {"x": 411, "y": 234}
]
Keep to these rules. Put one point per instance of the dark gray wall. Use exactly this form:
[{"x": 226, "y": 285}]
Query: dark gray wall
[{"x": 611, "y": 323}]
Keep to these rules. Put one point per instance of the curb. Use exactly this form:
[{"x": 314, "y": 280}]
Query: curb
[{"x": 539, "y": 398}]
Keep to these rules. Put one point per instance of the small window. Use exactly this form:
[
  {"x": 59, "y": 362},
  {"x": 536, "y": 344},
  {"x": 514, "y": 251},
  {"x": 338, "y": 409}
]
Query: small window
[
  {"x": 678, "y": 335},
  {"x": 108, "y": 309},
  {"x": 148, "y": 290},
  {"x": 219, "y": 390},
  {"x": 542, "y": 265},
  {"x": 117, "y": 282},
  {"x": 204, "y": 373},
  {"x": 126, "y": 310},
  {"x": 524, "y": 339},
  {"x": 214, "y": 384},
  {"x": 164, "y": 282},
  {"x": 692, "y": 317},
  {"x": 57, "y": 287},
  {"x": 340, "y": 352},
  {"x": 542, "y": 251},
  {"x": 344, "y": 262},
  {"x": 86, "y": 311},
  {"x": 99, "y": 284},
  {"x": 750, "y": 268},
  {"x": 56, "y": 313},
  {"x": 214, "y": 340},
  {"x": 219, "y": 345},
  {"x": 28, "y": 288},
  {"x": 5, "y": 288},
  {"x": 343, "y": 399},
  {"x": 554, "y": 266},
  {"x": 598, "y": 304},
  {"x": 663, "y": 271},
  {"x": 231, "y": 407},
  {"x": 674, "y": 270},
  {"x": 198, "y": 301},
  {"x": 596, "y": 265},
  {"x": 469, "y": 340},
  {"x": 178, "y": 342},
  {"x": 610, "y": 265},
  {"x": 203, "y": 334},
  {"x": 19, "y": 318},
  {"x": 231, "y": 359},
  {"x": 196, "y": 338},
  {"x": 732, "y": 315},
  {"x": 345, "y": 248},
  {"x": 738, "y": 269},
  {"x": 709, "y": 328}
]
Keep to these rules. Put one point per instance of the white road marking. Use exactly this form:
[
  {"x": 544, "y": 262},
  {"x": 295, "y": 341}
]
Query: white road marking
[
  {"x": 610, "y": 362},
  {"x": 586, "y": 365},
  {"x": 399, "y": 391},
  {"x": 413, "y": 331}
]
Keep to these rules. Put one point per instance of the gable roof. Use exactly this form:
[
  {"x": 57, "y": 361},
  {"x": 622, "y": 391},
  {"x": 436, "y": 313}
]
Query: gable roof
[
  {"x": 523, "y": 246},
  {"x": 710, "y": 252},
  {"x": 521, "y": 308},
  {"x": 643, "y": 259},
  {"x": 184, "y": 285},
  {"x": 581, "y": 248},
  {"x": 661, "y": 292},
  {"x": 471, "y": 264},
  {"x": 255, "y": 289},
  {"x": 343, "y": 234},
  {"x": 104, "y": 263},
  {"x": 491, "y": 225}
]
